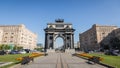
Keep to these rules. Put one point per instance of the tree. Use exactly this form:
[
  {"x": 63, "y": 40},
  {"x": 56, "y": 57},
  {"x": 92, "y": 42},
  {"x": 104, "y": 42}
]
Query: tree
[
  {"x": 2, "y": 47},
  {"x": 7, "y": 47},
  {"x": 115, "y": 43},
  {"x": 15, "y": 47},
  {"x": 38, "y": 49},
  {"x": 19, "y": 48}
]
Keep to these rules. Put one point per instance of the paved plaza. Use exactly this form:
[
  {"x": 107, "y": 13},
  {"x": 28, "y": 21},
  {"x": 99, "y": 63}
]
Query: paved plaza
[{"x": 59, "y": 60}]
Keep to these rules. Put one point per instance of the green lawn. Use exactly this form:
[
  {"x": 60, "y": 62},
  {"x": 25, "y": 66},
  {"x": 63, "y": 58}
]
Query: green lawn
[
  {"x": 110, "y": 60},
  {"x": 11, "y": 58}
]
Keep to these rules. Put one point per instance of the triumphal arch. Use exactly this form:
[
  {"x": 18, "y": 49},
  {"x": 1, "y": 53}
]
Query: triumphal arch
[{"x": 59, "y": 29}]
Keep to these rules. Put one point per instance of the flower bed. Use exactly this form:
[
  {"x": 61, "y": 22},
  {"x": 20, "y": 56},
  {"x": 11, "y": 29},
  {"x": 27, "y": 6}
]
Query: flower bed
[
  {"x": 33, "y": 55},
  {"x": 88, "y": 56}
]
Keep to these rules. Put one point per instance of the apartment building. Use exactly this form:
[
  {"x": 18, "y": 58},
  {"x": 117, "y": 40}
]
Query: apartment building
[
  {"x": 18, "y": 35},
  {"x": 90, "y": 39}
]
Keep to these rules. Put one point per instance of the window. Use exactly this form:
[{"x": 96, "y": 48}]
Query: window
[
  {"x": 11, "y": 36},
  {"x": 6, "y": 33},
  {"x": 21, "y": 37},
  {"x": 103, "y": 33},
  {"x": 11, "y": 41},
  {"x": 12, "y": 33},
  {"x": 5, "y": 41}
]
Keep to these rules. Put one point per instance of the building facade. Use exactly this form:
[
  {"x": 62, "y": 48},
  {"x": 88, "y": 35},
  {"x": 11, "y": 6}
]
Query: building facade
[
  {"x": 17, "y": 35},
  {"x": 1, "y": 34},
  {"x": 91, "y": 39},
  {"x": 78, "y": 44}
]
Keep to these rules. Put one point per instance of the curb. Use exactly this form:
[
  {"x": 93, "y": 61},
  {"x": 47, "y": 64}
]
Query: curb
[
  {"x": 7, "y": 63},
  {"x": 106, "y": 65}
]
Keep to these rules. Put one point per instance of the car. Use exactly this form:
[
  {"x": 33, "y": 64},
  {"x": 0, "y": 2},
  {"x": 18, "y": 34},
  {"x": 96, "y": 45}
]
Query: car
[
  {"x": 27, "y": 50},
  {"x": 14, "y": 52},
  {"x": 22, "y": 52},
  {"x": 2, "y": 52},
  {"x": 112, "y": 52}
]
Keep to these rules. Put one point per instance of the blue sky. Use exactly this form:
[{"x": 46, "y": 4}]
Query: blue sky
[{"x": 35, "y": 14}]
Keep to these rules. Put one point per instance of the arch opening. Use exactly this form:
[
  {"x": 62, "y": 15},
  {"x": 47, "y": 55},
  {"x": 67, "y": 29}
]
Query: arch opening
[{"x": 59, "y": 43}]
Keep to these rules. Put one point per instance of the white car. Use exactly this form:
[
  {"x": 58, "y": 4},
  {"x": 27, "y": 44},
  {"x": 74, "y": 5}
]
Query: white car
[{"x": 22, "y": 52}]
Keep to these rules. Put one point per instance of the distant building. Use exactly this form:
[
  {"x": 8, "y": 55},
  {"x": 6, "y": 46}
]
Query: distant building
[
  {"x": 17, "y": 35},
  {"x": 75, "y": 45},
  {"x": 39, "y": 45},
  {"x": 78, "y": 44},
  {"x": 90, "y": 39}
]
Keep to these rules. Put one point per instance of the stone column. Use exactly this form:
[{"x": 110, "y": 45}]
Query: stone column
[
  {"x": 46, "y": 42},
  {"x": 72, "y": 40},
  {"x": 52, "y": 41},
  {"x": 65, "y": 41}
]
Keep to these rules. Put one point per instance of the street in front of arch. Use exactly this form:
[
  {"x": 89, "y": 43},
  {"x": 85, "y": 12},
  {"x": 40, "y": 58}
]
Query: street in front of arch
[{"x": 59, "y": 60}]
